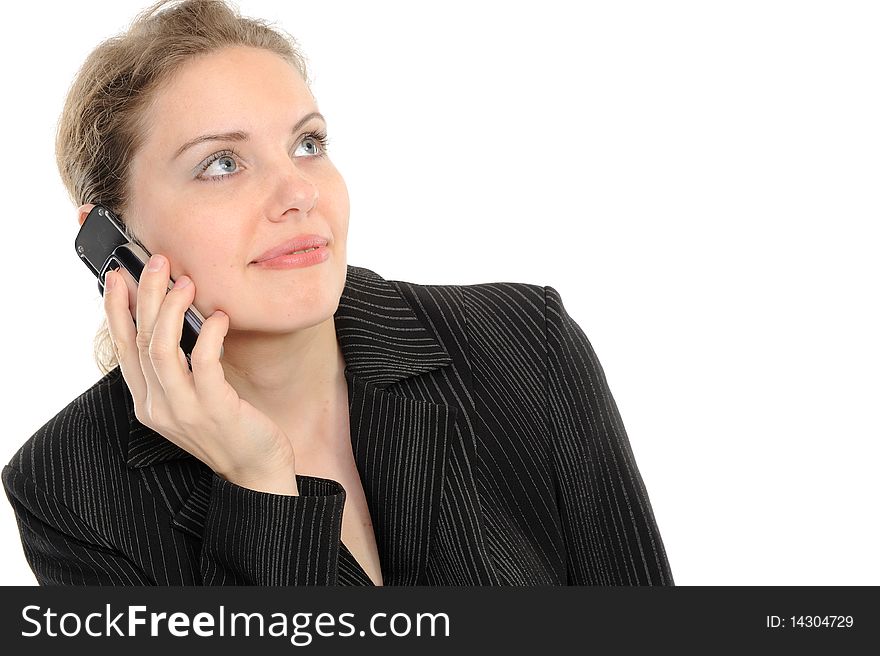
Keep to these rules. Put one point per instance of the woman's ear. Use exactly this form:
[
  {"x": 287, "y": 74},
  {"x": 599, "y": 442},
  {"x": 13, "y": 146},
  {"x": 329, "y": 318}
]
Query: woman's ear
[{"x": 84, "y": 212}]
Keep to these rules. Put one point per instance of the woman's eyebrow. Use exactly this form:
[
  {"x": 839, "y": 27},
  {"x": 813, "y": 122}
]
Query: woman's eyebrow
[{"x": 238, "y": 135}]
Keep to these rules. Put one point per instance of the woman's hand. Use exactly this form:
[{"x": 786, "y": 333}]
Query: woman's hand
[{"x": 199, "y": 410}]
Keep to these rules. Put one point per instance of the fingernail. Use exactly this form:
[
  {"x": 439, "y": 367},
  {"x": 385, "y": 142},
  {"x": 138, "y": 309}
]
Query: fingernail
[
  {"x": 181, "y": 282},
  {"x": 109, "y": 281},
  {"x": 155, "y": 263}
]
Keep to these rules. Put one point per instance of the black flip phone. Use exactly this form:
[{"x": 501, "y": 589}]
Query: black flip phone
[{"x": 102, "y": 245}]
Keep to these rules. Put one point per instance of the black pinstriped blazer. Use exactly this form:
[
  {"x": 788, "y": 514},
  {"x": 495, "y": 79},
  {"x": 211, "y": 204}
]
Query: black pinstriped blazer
[{"x": 489, "y": 446}]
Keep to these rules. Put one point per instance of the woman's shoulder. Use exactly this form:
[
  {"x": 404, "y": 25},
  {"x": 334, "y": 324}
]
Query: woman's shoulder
[
  {"x": 506, "y": 309},
  {"x": 506, "y": 301},
  {"x": 82, "y": 439},
  {"x": 362, "y": 277}
]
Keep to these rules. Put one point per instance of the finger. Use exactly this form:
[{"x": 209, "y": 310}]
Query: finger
[
  {"x": 210, "y": 381},
  {"x": 151, "y": 292},
  {"x": 165, "y": 352},
  {"x": 123, "y": 334},
  {"x": 132, "y": 290}
]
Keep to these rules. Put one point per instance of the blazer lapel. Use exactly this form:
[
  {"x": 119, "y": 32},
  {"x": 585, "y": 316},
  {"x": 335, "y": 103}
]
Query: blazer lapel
[{"x": 399, "y": 443}]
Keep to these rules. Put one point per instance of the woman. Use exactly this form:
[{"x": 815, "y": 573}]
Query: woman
[{"x": 336, "y": 427}]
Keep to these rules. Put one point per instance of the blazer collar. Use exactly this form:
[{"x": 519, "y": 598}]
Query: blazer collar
[
  {"x": 382, "y": 342},
  {"x": 399, "y": 443}
]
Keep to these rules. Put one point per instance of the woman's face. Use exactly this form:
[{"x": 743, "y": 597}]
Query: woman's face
[{"x": 215, "y": 207}]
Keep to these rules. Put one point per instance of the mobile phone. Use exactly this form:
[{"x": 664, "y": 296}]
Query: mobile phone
[{"x": 102, "y": 245}]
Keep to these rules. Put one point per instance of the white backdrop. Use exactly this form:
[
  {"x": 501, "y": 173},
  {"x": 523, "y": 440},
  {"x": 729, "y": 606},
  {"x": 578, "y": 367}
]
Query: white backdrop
[{"x": 698, "y": 180}]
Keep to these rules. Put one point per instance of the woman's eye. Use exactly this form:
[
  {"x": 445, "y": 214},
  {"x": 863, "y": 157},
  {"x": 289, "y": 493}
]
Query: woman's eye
[
  {"x": 225, "y": 163},
  {"x": 220, "y": 166},
  {"x": 314, "y": 144},
  {"x": 318, "y": 141}
]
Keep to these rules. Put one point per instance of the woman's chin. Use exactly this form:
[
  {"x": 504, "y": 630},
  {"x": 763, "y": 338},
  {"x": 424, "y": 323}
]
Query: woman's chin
[{"x": 279, "y": 326}]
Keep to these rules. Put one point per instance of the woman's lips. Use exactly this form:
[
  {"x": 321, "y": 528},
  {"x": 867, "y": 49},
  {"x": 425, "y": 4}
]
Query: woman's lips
[
  {"x": 295, "y": 261},
  {"x": 298, "y": 243}
]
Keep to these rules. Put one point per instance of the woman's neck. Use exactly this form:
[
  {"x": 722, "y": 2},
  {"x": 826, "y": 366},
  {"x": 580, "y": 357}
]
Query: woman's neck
[{"x": 296, "y": 379}]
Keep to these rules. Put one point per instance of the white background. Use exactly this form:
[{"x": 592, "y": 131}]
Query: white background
[{"x": 697, "y": 179}]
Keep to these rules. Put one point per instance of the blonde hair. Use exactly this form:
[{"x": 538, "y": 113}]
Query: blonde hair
[{"x": 102, "y": 124}]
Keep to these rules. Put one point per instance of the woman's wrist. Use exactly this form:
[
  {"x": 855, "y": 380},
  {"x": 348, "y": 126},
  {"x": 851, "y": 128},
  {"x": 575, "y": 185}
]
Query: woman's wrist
[{"x": 280, "y": 482}]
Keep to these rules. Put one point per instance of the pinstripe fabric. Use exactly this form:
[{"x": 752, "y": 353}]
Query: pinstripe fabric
[
  {"x": 350, "y": 570},
  {"x": 489, "y": 446}
]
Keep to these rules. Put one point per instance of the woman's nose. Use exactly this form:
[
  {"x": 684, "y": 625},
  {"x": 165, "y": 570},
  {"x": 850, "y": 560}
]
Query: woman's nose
[{"x": 292, "y": 188}]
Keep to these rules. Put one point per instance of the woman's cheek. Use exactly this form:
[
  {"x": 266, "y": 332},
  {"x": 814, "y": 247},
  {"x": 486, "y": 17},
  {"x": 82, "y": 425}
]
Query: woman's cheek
[{"x": 215, "y": 291}]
